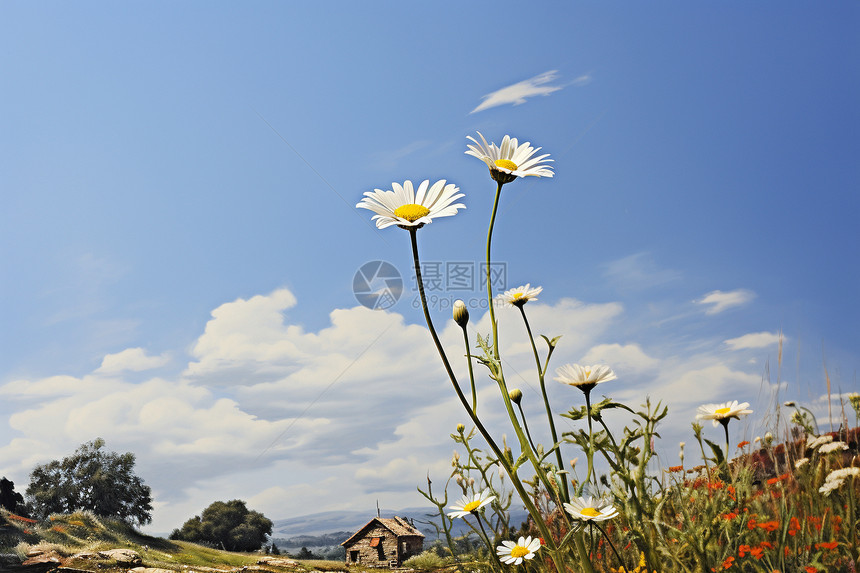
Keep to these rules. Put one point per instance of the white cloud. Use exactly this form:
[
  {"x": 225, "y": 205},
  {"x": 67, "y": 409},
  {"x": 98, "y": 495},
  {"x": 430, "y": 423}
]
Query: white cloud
[
  {"x": 131, "y": 359},
  {"x": 721, "y": 301},
  {"x": 753, "y": 340},
  {"x": 518, "y": 93},
  {"x": 363, "y": 402},
  {"x": 623, "y": 359}
]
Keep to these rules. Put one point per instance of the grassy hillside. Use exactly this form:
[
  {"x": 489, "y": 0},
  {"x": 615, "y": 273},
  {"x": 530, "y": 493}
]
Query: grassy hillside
[{"x": 84, "y": 533}]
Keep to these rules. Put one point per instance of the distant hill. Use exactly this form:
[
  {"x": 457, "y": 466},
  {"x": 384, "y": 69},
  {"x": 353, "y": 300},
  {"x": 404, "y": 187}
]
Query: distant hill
[{"x": 327, "y": 528}]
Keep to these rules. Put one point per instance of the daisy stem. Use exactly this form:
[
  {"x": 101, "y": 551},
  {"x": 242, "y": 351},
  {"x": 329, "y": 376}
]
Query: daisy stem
[
  {"x": 490, "y": 544},
  {"x": 521, "y": 491},
  {"x": 471, "y": 374},
  {"x": 725, "y": 423},
  {"x": 489, "y": 273},
  {"x": 542, "y": 380},
  {"x": 590, "y": 435},
  {"x": 612, "y": 545},
  {"x": 526, "y": 426}
]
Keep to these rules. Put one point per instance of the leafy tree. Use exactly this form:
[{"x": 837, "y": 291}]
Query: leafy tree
[
  {"x": 229, "y": 525},
  {"x": 9, "y": 498},
  {"x": 275, "y": 550},
  {"x": 91, "y": 479}
]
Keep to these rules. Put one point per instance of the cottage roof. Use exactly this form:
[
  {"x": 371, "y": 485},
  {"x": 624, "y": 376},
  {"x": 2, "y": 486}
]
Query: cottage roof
[{"x": 396, "y": 525}]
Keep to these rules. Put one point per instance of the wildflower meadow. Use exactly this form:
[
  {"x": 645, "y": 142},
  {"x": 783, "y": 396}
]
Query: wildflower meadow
[{"x": 596, "y": 498}]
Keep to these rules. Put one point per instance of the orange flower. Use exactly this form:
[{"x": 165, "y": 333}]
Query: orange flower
[
  {"x": 674, "y": 469},
  {"x": 742, "y": 444},
  {"x": 751, "y": 524},
  {"x": 827, "y": 545},
  {"x": 766, "y": 544},
  {"x": 769, "y": 525},
  {"x": 810, "y": 569},
  {"x": 728, "y": 562},
  {"x": 757, "y": 552},
  {"x": 730, "y": 515},
  {"x": 743, "y": 550}
]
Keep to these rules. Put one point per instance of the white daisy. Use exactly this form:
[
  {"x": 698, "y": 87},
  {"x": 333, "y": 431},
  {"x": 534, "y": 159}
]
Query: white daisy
[
  {"x": 584, "y": 377},
  {"x": 511, "y": 553},
  {"x": 801, "y": 463},
  {"x": 722, "y": 413},
  {"x": 406, "y": 207},
  {"x": 590, "y": 509},
  {"x": 832, "y": 447},
  {"x": 471, "y": 504},
  {"x": 520, "y": 295},
  {"x": 510, "y": 160},
  {"x": 813, "y": 442}
]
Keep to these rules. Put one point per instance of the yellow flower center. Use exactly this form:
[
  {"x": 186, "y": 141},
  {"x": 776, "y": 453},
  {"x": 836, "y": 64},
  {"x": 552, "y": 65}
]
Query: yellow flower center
[
  {"x": 472, "y": 505},
  {"x": 722, "y": 411},
  {"x": 589, "y": 512},
  {"x": 506, "y": 164},
  {"x": 517, "y": 296},
  {"x": 411, "y": 212},
  {"x": 519, "y": 551}
]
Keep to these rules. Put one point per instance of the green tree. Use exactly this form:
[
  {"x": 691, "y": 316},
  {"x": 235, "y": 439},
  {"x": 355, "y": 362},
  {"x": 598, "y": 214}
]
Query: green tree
[
  {"x": 229, "y": 525},
  {"x": 10, "y": 499},
  {"x": 91, "y": 479}
]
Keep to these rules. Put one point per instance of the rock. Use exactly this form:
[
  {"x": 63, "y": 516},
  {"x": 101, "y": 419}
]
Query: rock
[
  {"x": 278, "y": 562},
  {"x": 85, "y": 556},
  {"x": 45, "y": 558},
  {"x": 122, "y": 556}
]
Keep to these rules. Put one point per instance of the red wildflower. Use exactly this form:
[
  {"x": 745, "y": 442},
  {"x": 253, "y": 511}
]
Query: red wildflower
[
  {"x": 674, "y": 469},
  {"x": 742, "y": 444},
  {"x": 730, "y": 515},
  {"x": 810, "y": 569},
  {"x": 827, "y": 545},
  {"x": 728, "y": 562},
  {"x": 769, "y": 525}
]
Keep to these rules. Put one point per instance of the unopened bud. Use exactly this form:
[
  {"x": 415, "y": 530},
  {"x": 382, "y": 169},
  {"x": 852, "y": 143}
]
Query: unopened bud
[
  {"x": 461, "y": 313},
  {"x": 790, "y": 404},
  {"x": 516, "y": 396},
  {"x": 768, "y": 438},
  {"x": 460, "y": 428},
  {"x": 471, "y": 482},
  {"x": 573, "y": 462}
]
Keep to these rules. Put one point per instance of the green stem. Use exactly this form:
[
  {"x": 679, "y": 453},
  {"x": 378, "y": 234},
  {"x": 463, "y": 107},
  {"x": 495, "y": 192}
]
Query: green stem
[
  {"x": 590, "y": 452},
  {"x": 490, "y": 544},
  {"x": 471, "y": 374},
  {"x": 489, "y": 273},
  {"x": 503, "y": 461},
  {"x": 542, "y": 380}
]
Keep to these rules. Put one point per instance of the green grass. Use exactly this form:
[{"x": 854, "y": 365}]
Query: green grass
[{"x": 84, "y": 532}]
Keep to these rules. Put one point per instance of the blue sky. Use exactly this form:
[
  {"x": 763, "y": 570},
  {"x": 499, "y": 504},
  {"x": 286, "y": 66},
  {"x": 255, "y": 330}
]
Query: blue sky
[{"x": 179, "y": 234}]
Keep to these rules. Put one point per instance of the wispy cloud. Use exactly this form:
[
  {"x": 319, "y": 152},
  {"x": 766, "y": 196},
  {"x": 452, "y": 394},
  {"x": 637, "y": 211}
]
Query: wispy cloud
[
  {"x": 638, "y": 271},
  {"x": 387, "y": 160},
  {"x": 753, "y": 340},
  {"x": 519, "y": 92},
  {"x": 721, "y": 301}
]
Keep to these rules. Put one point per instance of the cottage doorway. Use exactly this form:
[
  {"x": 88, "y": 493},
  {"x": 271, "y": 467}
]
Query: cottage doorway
[{"x": 353, "y": 556}]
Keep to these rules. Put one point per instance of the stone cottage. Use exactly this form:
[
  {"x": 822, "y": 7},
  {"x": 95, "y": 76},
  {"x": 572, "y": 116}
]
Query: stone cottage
[{"x": 384, "y": 543}]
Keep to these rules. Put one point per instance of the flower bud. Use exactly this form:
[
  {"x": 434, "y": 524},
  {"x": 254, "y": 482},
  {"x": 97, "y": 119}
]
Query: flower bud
[
  {"x": 461, "y": 313},
  {"x": 460, "y": 428},
  {"x": 768, "y": 438},
  {"x": 789, "y": 404},
  {"x": 573, "y": 462},
  {"x": 516, "y": 396}
]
